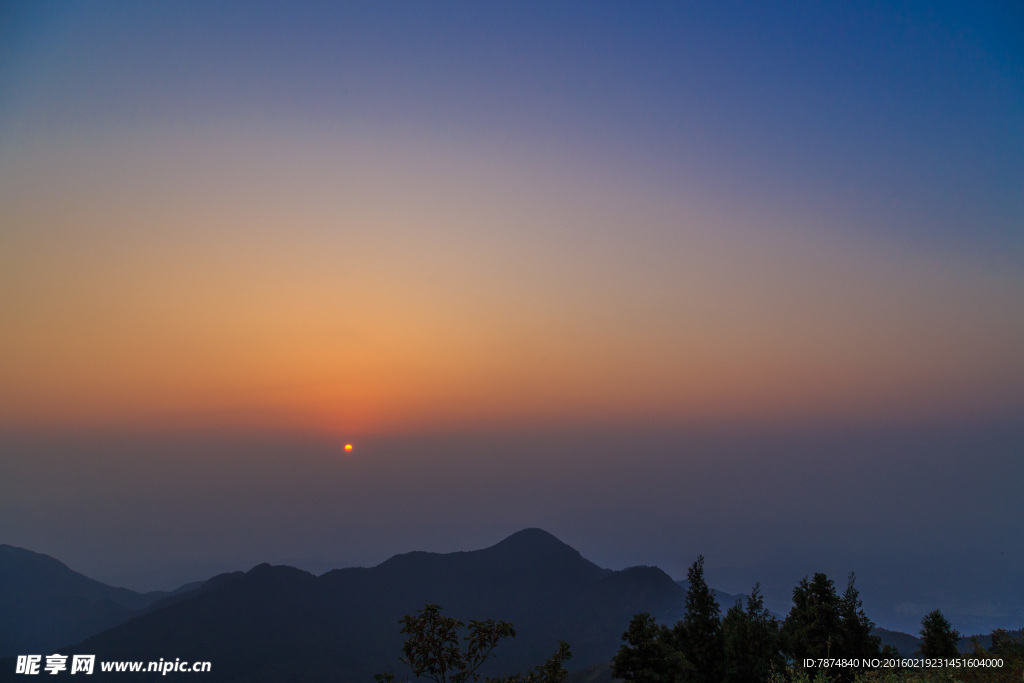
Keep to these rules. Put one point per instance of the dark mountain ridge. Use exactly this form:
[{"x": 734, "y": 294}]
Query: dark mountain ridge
[
  {"x": 45, "y": 604},
  {"x": 280, "y": 623},
  {"x": 277, "y": 623}
]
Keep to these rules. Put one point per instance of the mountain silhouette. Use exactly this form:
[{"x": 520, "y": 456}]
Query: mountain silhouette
[
  {"x": 276, "y": 623},
  {"x": 279, "y": 623},
  {"x": 44, "y": 604}
]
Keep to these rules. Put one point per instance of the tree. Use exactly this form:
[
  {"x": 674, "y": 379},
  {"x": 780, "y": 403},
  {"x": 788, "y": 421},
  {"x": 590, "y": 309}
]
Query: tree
[
  {"x": 692, "y": 651},
  {"x": 1005, "y": 645},
  {"x": 551, "y": 671},
  {"x": 751, "y": 641},
  {"x": 823, "y": 625},
  {"x": 699, "y": 634},
  {"x": 938, "y": 638},
  {"x": 812, "y": 628},
  {"x": 650, "y": 654},
  {"x": 857, "y": 641},
  {"x": 432, "y": 650}
]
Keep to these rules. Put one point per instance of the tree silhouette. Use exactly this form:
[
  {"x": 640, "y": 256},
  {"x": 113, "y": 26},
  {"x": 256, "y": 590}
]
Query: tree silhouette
[
  {"x": 433, "y": 651},
  {"x": 751, "y": 642},
  {"x": 650, "y": 654},
  {"x": 823, "y": 625},
  {"x": 812, "y": 628},
  {"x": 857, "y": 642},
  {"x": 699, "y": 634},
  {"x": 938, "y": 638}
]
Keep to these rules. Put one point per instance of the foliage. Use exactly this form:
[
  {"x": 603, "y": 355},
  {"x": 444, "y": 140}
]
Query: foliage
[
  {"x": 1004, "y": 647},
  {"x": 753, "y": 648},
  {"x": 650, "y": 655},
  {"x": 857, "y": 641},
  {"x": 938, "y": 638},
  {"x": 812, "y": 628},
  {"x": 433, "y": 651},
  {"x": 744, "y": 648},
  {"x": 823, "y": 625},
  {"x": 551, "y": 671},
  {"x": 699, "y": 634},
  {"x": 751, "y": 642}
]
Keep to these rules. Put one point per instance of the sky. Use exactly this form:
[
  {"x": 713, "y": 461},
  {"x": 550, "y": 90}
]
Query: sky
[{"x": 661, "y": 278}]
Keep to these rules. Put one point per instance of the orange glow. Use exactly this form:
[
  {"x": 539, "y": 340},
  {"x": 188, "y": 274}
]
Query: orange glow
[
  {"x": 522, "y": 306},
  {"x": 348, "y": 448}
]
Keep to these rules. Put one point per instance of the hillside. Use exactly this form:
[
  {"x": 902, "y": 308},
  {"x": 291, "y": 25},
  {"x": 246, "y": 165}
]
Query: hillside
[
  {"x": 277, "y": 623},
  {"x": 274, "y": 623},
  {"x": 44, "y": 604}
]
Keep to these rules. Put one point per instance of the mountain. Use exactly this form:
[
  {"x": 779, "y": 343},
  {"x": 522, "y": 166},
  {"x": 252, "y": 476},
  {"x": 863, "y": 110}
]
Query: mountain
[
  {"x": 966, "y": 643},
  {"x": 906, "y": 644},
  {"x": 44, "y": 604},
  {"x": 277, "y": 623},
  {"x": 909, "y": 645}
]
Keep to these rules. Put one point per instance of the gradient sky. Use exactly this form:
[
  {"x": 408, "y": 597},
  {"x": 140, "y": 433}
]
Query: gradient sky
[{"x": 620, "y": 256}]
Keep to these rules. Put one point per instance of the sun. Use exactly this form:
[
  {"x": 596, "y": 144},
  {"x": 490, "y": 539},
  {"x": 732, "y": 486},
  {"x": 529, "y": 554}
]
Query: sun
[{"x": 348, "y": 448}]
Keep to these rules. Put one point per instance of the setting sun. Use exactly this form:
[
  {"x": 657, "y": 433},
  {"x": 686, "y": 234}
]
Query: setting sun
[{"x": 348, "y": 448}]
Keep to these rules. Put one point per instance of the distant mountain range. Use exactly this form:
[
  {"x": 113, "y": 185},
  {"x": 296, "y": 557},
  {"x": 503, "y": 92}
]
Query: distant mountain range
[
  {"x": 44, "y": 604},
  {"x": 276, "y": 623}
]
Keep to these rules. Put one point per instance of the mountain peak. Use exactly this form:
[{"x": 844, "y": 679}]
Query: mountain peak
[
  {"x": 278, "y": 573},
  {"x": 533, "y": 538},
  {"x": 534, "y": 548}
]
